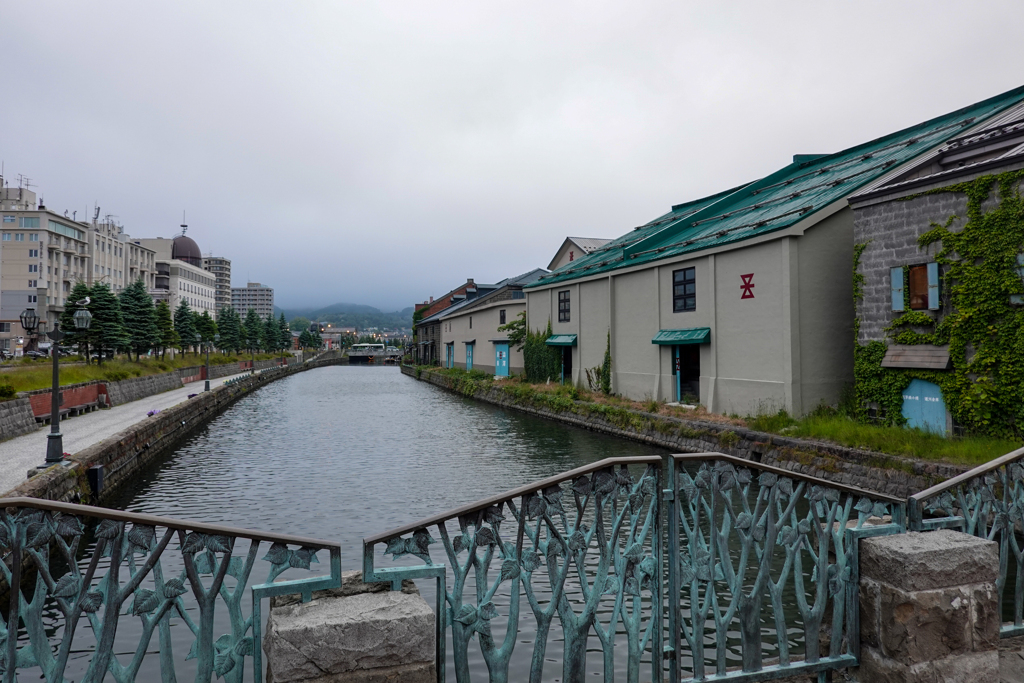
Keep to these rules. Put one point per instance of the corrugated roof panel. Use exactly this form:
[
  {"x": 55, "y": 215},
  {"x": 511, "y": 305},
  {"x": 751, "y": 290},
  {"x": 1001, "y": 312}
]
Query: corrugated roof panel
[{"x": 781, "y": 199}]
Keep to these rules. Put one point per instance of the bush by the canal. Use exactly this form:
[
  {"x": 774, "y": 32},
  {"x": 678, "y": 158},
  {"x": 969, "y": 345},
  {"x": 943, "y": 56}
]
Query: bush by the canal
[{"x": 824, "y": 424}]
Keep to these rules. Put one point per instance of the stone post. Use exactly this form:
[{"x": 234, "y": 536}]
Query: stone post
[
  {"x": 929, "y": 611},
  {"x": 359, "y": 633}
]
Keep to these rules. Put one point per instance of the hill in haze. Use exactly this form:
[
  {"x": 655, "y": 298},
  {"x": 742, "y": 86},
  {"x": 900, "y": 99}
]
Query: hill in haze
[{"x": 353, "y": 315}]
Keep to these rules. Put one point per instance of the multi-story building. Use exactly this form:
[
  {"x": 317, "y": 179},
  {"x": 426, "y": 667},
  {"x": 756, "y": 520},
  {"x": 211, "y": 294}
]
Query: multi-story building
[
  {"x": 108, "y": 257},
  {"x": 140, "y": 264},
  {"x": 221, "y": 269},
  {"x": 180, "y": 274},
  {"x": 42, "y": 255},
  {"x": 253, "y": 295}
]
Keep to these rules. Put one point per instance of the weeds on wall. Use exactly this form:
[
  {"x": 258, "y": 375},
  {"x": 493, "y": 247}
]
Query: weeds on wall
[
  {"x": 984, "y": 391},
  {"x": 541, "y": 362}
]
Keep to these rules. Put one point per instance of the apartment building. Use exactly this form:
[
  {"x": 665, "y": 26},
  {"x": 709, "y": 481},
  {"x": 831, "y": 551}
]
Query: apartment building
[
  {"x": 253, "y": 295},
  {"x": 42, "y": 255},
  {"x": 108, "y": 257},
  {"x": 221, "y": 269},
  {"x": 180, "y": 274},
  {"x": 140, "y": 264}
]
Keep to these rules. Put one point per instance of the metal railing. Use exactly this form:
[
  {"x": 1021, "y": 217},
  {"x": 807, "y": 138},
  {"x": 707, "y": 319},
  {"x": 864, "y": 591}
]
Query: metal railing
[
  {"x": 55, "y": 553},
  {"x": 591, "y": 548},
  {"x": 987, "y": 502}
]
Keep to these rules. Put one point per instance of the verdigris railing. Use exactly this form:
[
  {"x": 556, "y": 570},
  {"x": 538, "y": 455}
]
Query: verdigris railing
[
  {"x": 123, "y": 575},
  {"x": 987, "y": 502},
  {"x": 747, "y": 548},
  {"x": 583, "y": 547}
]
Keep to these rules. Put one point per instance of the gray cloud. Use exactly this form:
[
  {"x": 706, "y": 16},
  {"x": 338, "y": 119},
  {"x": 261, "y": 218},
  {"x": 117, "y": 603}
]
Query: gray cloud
[{"x": 381, "y": 152}]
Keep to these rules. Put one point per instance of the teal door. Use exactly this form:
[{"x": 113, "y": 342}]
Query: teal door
[
  {"x": 923, "y": 406},
  {"x": 501, "y": 360},
  {"x": 469, "y": 357},
  {"x": 450, "y": 353}
]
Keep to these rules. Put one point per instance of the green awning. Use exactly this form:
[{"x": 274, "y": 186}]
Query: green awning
[
  {"x": 561, "y": 340},
  {"x": 692, "y": 335}
]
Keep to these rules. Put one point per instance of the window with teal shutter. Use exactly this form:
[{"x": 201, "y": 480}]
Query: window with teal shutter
[
  {"x": 896, "y": 285},
  {"x": 933, "y": 286}
]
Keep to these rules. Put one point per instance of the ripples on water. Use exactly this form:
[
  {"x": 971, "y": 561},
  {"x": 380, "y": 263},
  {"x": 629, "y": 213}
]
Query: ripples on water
[{"x": 340, "y": 453}]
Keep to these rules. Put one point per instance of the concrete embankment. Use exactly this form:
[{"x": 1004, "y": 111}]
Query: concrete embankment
[
  {"x": 894, "y": 475},
  {"x": 95, "y": 473}
]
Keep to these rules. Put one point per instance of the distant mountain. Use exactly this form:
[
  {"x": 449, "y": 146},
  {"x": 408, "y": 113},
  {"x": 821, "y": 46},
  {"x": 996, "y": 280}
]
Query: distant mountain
[{"x": 353, "y": 315}]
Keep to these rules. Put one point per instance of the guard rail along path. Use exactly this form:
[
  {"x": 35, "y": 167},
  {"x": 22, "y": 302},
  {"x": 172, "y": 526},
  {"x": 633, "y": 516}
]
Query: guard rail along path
[
  {"x": 588, "y": 554},
  {"x": 56, "y": 551}
]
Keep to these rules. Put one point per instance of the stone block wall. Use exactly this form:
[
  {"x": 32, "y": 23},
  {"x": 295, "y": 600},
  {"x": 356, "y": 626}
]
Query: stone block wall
[
  {"x": 16, "y": 418},
  {"x": 140, "y": 387}
]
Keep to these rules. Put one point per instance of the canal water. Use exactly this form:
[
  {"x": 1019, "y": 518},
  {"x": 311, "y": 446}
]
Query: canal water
[{"x": 340, "y": 453}]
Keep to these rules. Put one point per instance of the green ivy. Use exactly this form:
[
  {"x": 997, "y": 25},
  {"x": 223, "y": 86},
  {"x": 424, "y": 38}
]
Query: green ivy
[{"x": 984, "y": 392}]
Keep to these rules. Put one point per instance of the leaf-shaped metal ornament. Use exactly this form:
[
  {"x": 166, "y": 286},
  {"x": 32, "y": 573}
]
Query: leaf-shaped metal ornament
[
  {"x": 219, "y": 544},
  {"x": 703, "y": 572},
  {"x": 804, "y": 526},
  {"x": 142, "y": 536},
  {"x": 92, "y": 601},
  {"x": 223, "y": 663},
  {"x": 623, "y": 480},
  {"x": 744, "y": 520},
  {"x": 832, "y": 495},
  {"x": 879, "y": 510},
  {"x": 743, "y": 476},
  {"x": 509, "y": 570},
  {"x": 279, "y": 553},
  {"x": 67, "y": 587},
  {"x": 300, "y": 559},
  {"x": 788, "y": 535},
  {"x": 636, "y": 502},
  {"x": 531, "y": 562},
  {"x": 686, "y": 573},
  {"x": 466, "y": 615},
  {"x": 38, "y": 534},
  {"x": 485, "y": 537},
  {"x": 634, "y": 552},
  {"x": 69, "y": 526},
  {"x": 108, "y": 529},
  {"x": 555, "y": 548},
  {"x": 768, "y": 479},
  {"x": 688, "y": 487},
  {"x": 536, "y": 506},
  {"x": 488, "y": 611},
  {"x": 145, "y": 602},
  {"x": 577, "y": 541},
  {"x": 245, "y": 647},
  {"x": 422, "y": 540},
  {"x": 460, "y": 543},
  {"x": 604, "y": 481},
  {"x": 581, "y": 486},
  {"x": 864, "y": 505},
  {"x": 648, "y": 486},
  {"x": 758, "y": 533},
  {"x": 492, "y": 515},
  {"x": 703, "y": 478},
  {"x": 786, "y": 486},
  {"x": 194, "y": 543},
  {"x": 611, "y": 586},
  {"x": 631, "y": 587},
  {"x": 174, "y": 587},
  {"x": 816, "y": 494},
  {"x": 205, "y": 562},
  {"x": 553, "y": 495},
  {"x": 647, "y": 567}
]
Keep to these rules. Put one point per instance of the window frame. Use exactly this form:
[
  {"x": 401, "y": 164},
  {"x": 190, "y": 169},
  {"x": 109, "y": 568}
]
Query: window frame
[
  {"x": 501, "y": 316},
  {"x": 922, "y": 303},
  {"x": 564, "y": 306},
  {"x": 687, "y": 300}
]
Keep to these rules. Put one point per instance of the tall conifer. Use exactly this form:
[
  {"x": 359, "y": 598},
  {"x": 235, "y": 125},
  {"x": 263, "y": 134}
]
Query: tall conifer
[
  {"x": 165, "y": 326},
  {"x": 139, "y": 318},
  {"x": 184, "y": 325},
  {"x": 107, "y": 328}
]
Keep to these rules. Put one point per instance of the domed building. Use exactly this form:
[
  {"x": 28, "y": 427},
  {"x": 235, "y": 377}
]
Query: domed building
[
  {"x": 180, "y": 275},
  {"x": 185, "y": 249}
]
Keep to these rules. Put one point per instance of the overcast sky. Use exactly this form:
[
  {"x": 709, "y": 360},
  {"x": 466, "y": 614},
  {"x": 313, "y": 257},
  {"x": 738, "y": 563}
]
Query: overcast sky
[{"x": 380, "y": 153}]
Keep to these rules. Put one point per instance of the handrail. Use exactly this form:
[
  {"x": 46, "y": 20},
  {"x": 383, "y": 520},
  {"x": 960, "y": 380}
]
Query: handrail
[
  {"x": 168, "y": 522},
  {"x": 992, "y": 465},
  {"x": 483, "y": 504}
]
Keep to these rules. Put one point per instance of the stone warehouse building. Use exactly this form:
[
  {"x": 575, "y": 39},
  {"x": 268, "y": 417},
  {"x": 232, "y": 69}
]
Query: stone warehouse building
[
  {"x": 427, "y": 323},
  {"x": 469, "y": 330},
  {"x": 743, "y": 299},
  {"x": 940, "y": 270}
]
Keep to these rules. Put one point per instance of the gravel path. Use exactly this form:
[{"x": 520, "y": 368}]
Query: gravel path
[{"x": 21, "y": 453}]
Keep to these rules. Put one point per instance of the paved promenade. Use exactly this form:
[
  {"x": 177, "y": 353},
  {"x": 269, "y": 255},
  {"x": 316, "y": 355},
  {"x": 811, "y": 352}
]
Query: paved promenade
[{"x": 21, "y": 453}]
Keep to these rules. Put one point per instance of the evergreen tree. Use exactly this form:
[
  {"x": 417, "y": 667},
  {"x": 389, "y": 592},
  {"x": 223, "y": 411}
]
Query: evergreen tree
[
  {"x": 165, "y": 328},
  {"x": 305, "y": 340},
  {"x": 284, "y": 333},
  {"x": 253, "y": 330},
  {"x": 271, "y": 334},
  {"x": 107, "y": 329},
  {"x": 67, "y": 320},
  {"x": 206, "y": 326},
  {"x": 184, "y": 325},
  {"x": 139, "y": 319},
  {"x": 230, "y": 330}
]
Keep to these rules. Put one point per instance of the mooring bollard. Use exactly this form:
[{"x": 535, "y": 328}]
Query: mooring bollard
[{"x": 357, "y": 633}]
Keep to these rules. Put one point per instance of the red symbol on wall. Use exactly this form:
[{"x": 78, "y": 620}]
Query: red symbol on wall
[
  {"x": 747, "y": 286},
  {"x": 572, "y": 255}
]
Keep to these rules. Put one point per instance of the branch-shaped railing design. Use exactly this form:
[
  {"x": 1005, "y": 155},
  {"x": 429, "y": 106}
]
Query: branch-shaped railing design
[
  {"x": 987, "y": 502},
  {"x": 583, "y": 547},
  {"x": 91, "y": 564},
  {"x": 761, "y": 549}
]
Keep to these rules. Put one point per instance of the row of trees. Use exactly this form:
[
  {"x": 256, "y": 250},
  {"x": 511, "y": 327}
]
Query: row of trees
[{"x": 132, "y": 323}]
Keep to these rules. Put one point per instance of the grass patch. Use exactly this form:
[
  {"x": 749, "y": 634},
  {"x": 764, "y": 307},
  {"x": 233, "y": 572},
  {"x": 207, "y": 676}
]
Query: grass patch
[{"x": 40, "y": 375}]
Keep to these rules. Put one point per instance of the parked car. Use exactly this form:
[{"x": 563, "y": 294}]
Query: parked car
[{"x": 36, "y": 354}]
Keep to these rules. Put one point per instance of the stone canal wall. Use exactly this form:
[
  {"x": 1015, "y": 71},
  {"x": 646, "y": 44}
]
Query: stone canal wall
[
  {"x": 890, "y": 474},
  {"x": 95, "y": 473}
]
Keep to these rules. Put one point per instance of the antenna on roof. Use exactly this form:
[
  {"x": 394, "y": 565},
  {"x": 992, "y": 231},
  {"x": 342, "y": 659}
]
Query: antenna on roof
[
  {"x": 184, "y": 225},
  {"x": 96, "y": 214}
]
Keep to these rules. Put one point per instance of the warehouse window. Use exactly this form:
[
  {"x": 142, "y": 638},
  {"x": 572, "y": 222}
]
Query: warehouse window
[
  {"x": 501, "y": 316},
  {"x": 563, "y": 306},
  {"x": 684, "y": 290}
]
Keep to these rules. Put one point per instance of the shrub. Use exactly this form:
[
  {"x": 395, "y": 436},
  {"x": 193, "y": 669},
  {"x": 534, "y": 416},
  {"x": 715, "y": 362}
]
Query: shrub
[
  {"x": 115, "y": 375},
  {"x": 7, "y": 392}
]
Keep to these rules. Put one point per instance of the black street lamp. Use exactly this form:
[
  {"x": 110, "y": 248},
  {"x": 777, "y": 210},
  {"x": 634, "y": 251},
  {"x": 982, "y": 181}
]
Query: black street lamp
[
  {"x": 54, "y": 440},
  {"x": 29, "y": 321},
  {"x": 199, "y": 339}
]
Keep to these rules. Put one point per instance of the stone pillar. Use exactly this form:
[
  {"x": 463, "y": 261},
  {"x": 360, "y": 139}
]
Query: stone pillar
[
  {"x": 359, "y": 633},
  {"x": 929, "y": 610}
]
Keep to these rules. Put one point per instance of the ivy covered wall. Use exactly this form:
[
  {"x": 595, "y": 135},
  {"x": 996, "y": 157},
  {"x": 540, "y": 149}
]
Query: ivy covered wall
[{"x": 977, "y": 249}]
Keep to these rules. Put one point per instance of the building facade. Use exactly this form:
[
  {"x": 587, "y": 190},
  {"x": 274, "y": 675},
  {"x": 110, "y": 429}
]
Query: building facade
[
  {"x": 470, "y": 338},
  {"x": 258, "y": 297},
  {"x": 221, "y": 269},
  {"x": 575, "y": 247},
  {"x": 427, "y": 321},
  {"x": 938, "y": 357},
  {"x": 742, "y": 300},
  {"x": 180, "y": 275},
  {"x": 107, "y": 242}
]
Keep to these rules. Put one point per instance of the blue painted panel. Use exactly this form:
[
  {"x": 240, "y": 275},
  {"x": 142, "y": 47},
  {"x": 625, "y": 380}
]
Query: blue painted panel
[
  {"x": 896, "y": 288},
  {"x": 923, "y": 406},
  {"x": 469, "y": 357},
  {"x": 933, "y": 286},
  {"x": 501, "y": 360}
]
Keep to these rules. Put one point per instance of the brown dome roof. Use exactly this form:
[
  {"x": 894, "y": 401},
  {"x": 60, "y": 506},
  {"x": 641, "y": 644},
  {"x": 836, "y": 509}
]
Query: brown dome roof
[{"x": 185, "y": 249}]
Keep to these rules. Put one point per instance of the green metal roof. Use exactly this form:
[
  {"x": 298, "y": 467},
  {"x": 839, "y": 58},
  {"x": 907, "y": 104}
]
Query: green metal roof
[
  {"x": 692, "y": 335},
  {"x": 561, "y": 340},
  {"x": 776, "y": 201}
]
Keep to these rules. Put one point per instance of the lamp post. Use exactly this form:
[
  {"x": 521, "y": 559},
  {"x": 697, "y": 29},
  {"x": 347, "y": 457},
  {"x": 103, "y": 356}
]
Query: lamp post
[
  {"x": 55, "y": 440},
  {"x": 29, "y": 321}
]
